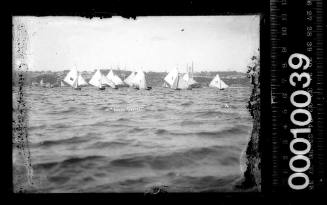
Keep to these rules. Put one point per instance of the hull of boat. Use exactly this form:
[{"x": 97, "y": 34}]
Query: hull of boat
[
  {"x": 107, "y": 86},
  {"x": 122, "y": 86},
  {"x": 189, "y": 88},
  {"x": 79, "y": 88},
  {"x": 147, "y": 88},
  {"x": 102, "y": 88}
]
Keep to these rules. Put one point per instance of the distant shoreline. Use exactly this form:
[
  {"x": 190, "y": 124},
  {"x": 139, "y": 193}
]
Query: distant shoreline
[{"x": 154, "y": 79}]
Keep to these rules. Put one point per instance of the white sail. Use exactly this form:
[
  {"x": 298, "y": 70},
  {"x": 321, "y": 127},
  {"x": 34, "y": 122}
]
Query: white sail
[
  {"x": 75, "y": 84},
  {"x": 171, "y": 76},
  {"x": 180, "y": 83},
  {"x": 223, "y": 84},
  {"x": 114, "y": 78},
  {"x": 42, "y": 83},
  {"x": 165, "y": 85},
  {"x": 106, "y": 81},
  {"x": 99, "y": 80},
  {"x": 130, "y": 78},
  {"x": 117, "y": 80},
  {"x": 218, "y": 83},
  {"x": 188, "y": 79},
  {"x": 81, "y": 81},
  {"x": 96, "y": 79},
  {"x": 71, "y": 77},
  {"x": 176, "y": 81},
  {"x": 139, "y": 80}
]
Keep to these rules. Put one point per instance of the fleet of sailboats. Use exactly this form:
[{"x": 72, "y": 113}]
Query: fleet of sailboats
[{"x": 174, "y": 80}]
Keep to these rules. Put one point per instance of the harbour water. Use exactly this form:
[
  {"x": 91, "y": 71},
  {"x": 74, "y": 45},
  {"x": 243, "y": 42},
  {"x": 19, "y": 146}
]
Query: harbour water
[{"x": 128, "y": 140}]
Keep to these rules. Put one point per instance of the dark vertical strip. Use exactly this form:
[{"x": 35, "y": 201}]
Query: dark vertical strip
[
  {"x": 265, "y": 108},
  {"x": 319, "y": 97}
]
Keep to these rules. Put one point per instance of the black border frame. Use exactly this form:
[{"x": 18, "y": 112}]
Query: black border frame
[{"x": 230, "y": 7}]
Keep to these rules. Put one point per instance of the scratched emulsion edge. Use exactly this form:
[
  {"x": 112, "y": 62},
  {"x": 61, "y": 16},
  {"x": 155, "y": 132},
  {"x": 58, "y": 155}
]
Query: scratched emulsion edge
[
  {"x": 251, "y": 158},
  {"x": 22, "y": 166}
]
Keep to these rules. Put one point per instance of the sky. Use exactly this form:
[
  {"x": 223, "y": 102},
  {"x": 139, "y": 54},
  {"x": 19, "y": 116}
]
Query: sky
[{"x": 158, "y": 43}]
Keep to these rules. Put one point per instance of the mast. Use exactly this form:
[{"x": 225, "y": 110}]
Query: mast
[
  {"x": 220, "y": 83},
  {"x": 177, "y": 78},
  {"x": 75, "y": 84},
  {"x": 188, "y": 69},
  {"x": 192, "y": 70},
  {"x": 77, "y": 79}
]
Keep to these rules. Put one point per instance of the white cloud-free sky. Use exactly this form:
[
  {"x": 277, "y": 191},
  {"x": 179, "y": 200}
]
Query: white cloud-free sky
[{"x": 213, "y": 43}]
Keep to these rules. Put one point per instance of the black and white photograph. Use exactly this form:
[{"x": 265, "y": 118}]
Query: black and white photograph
[{"x": 145, "y": 105}]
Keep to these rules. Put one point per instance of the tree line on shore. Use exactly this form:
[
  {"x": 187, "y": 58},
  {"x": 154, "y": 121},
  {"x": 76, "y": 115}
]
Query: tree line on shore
[{"x": 154, "y": 79}]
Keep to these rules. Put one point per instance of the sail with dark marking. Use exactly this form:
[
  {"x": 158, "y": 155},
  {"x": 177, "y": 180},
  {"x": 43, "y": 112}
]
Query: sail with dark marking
[{"x": 218, "y": 83}]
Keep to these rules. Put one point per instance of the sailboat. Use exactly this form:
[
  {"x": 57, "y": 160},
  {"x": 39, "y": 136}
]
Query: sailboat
[
  {"x": 115, "y": 79},
  {"x": 42, "y": 84},
  {"x": 218, "y": 83},
  {"x": 175, "y": 81},
  {"x": 169, "y": 79},
  {"x": 130, "y": 78},
  {"x": 180, "y": 84},
  {"x": 101, "y": 81},
  {"x": 48, "y": 85},
  {"x": 62, "y": 84},
  {"x": 191, "y": 81},
  {"x": 188, "y": 77},
  {"x": 139, "y": 81},
  {"x": 74, "y": 79},
  {"x": 165, "y": 85}
]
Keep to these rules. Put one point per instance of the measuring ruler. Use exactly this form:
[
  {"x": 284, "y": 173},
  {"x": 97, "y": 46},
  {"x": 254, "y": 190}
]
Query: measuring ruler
[{"x": 298, "y": 137}]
